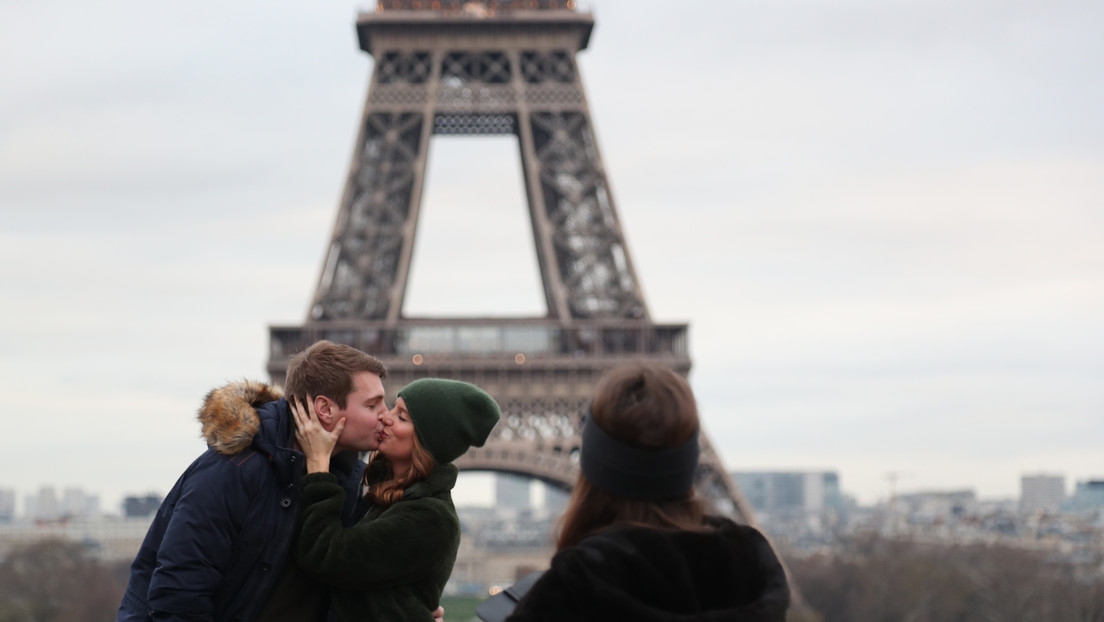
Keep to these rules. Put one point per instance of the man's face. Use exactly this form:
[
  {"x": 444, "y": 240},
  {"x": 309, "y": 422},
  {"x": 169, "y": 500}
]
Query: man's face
[{"x": 362, "y": 411}]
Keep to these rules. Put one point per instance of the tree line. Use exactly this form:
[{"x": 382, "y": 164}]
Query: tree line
[
  {"x": 59, "y": 581},
  {"x": 885, "y": 580},
  {"x": 872, "y": 580}
]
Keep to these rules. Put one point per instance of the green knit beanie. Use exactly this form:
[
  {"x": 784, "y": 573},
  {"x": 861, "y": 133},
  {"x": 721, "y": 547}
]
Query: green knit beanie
[{"x": 449, "y": 416}]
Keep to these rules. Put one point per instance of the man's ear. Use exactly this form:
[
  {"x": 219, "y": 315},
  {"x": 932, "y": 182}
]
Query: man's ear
[{"x": 325, "y": 409}]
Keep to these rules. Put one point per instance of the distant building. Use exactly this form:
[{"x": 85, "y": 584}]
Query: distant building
[
  {"x": 1042, "y": 492},
  {"x": 1087, "y": 496},
  {"x": 7, "y": 505},
  {"x": 555, "y": 500},
  {"x": 796, "y": 503},
  {"x": 44, "y": 505},
  {"x": 933, "y": 506},
  {"x": 790, "y": 494},
  {"x": 108, "y": 539},
  {"x": 136, "y": 507},
  {"x": 74, "y": 502},
  {"x": 512, "y": 492},
  {"x": 496, "y": 549}
]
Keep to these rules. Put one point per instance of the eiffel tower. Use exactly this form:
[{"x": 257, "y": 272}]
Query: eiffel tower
[{"x": 483, "y": 68}]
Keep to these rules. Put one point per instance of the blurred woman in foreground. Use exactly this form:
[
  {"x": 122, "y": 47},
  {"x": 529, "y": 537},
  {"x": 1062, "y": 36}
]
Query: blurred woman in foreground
[{"x": 636, "y": 543}]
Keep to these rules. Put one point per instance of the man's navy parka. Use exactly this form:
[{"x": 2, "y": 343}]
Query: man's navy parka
[{"x": 220, "y": 538}]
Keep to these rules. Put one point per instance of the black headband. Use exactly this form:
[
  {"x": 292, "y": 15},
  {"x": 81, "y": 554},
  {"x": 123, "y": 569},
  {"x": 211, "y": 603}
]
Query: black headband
[{"x": 643, "y": 474}]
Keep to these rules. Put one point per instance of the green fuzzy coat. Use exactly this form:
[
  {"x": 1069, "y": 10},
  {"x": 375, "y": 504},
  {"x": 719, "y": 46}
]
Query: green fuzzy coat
[{"x": 393, "y": 564}]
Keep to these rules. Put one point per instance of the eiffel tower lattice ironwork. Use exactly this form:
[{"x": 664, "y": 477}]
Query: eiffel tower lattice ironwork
[{"x": 492, "y": 68}]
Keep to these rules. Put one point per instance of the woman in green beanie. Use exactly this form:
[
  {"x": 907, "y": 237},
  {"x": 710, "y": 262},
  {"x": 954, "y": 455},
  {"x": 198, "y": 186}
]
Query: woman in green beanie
[{"x": 393, "y": 563}]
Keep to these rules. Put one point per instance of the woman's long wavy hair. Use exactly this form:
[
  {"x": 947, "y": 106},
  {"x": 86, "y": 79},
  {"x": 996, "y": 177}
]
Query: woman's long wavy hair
[
  {"x": 383, "y": 487},
  {"x": 649, "y": 407}
]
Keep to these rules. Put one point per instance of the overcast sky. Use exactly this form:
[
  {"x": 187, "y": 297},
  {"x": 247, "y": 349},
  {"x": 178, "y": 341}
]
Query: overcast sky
[{"x": 882, "y": 220}]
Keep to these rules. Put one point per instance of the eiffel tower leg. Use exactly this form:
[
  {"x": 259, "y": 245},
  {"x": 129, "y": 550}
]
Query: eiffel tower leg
[
  {"x": 543, "y": 231},
  {"x": 410, "y": 229},
  {"x": 368, "y": 261},
  {"x": 579, "y": 234}
]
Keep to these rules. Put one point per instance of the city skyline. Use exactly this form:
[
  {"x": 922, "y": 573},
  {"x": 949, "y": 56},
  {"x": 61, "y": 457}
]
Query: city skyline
[
  {"x": 485, "y": 490},
  {"x": 881, "y": 222}
]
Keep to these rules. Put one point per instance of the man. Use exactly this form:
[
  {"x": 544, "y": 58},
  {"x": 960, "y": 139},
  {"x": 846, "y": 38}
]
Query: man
[{"x": 218, "y": 547}]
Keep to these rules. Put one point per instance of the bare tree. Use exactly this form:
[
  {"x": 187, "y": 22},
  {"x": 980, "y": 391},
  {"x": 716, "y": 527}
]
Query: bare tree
[
  {"x": 56, "y": 581},
  {"x": 879, "y": 580}
]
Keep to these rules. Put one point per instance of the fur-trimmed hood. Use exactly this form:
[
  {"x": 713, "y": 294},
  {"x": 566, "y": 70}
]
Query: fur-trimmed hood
[{"x": 229, "y": 415}]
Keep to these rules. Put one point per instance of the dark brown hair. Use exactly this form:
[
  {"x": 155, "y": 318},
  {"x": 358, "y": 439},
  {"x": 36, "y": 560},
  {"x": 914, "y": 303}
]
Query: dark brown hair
[
  {"x": 383, "y": 487},
  {"x": 646, "y": 406},
  {"x": 326, "y": 368}
]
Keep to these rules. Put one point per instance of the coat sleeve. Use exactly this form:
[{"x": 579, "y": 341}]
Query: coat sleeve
[
  {"x": 396, "y": 547},
  {"x": 203, "y": 526}
]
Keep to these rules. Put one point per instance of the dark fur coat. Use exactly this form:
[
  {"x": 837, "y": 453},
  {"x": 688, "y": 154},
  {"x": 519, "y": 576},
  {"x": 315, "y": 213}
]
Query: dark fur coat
[{"x": 728, "y": 572}]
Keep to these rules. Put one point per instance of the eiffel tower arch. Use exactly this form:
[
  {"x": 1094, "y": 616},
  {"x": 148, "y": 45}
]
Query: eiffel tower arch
[{"x": 486, "y": 68}]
